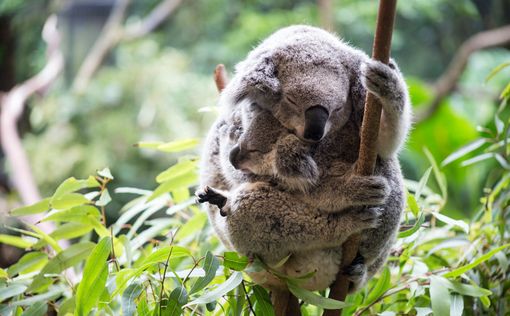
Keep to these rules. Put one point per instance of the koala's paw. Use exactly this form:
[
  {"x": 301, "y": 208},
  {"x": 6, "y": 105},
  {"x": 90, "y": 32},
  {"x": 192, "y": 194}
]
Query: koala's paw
[
  {"x": 383, "y": 80},
  {"x": 369, "y": 217},
  {"x": 372, "y": 190},
  {"x": 212, "y": 196},
  {"x": 356, "y": 273}
]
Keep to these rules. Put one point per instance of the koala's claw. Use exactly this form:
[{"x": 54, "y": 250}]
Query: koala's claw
[
  {"x": 379, "y": 78},
  {"x": 212, "y": 196},
  {"x": 371, "y": 216}
]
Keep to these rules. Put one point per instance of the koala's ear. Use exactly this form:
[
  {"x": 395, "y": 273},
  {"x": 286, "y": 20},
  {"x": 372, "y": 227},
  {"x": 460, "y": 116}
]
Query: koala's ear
[{"x": 262, "y": 75}]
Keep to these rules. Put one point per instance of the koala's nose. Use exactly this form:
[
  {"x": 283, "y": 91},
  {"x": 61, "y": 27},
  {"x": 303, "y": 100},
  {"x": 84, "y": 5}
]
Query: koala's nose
[
  {"x": 234, "y": 155},
  {"x": 316, "y": 118}
]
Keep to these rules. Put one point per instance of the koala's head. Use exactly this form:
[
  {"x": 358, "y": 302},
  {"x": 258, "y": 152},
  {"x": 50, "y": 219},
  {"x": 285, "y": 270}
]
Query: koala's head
[
  {"x": 266, "y": 148},
  {"x": 304, "y": 76}
]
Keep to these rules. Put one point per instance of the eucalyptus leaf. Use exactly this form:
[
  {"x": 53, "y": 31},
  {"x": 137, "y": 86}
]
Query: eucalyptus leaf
[
  {"x": 314, "y": 299},
  {"x": 211, "y": 265},
  {"x": 231, "y": 283},
  {"x": 440, "y": 297},
  {"x": 36, "y": 208}
]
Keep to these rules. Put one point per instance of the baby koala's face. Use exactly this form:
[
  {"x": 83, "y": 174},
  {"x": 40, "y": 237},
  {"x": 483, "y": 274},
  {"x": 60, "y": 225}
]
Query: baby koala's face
[
  {"x": 255, "y": 149},
  {"x": 266, "y": 148}
]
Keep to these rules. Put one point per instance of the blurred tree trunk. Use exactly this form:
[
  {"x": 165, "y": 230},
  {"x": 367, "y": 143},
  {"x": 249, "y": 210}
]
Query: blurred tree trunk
[
  {"x": 7, "y": 77},
  {"x": 326, "y": 18}
]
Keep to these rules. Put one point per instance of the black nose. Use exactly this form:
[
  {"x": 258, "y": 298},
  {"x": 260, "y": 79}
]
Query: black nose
[
  {"x": 316, "y": 118},
  {"x": 233, "y": 157}
]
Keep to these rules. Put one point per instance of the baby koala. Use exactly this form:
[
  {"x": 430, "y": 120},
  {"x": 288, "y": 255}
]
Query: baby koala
[{"x": 275, "y": 217}]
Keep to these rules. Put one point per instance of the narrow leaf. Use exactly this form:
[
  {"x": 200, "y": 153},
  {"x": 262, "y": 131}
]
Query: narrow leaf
[
  {"x": 451, "y": 221},
  {"x": 15, "y": 241},
  {"x": 263, "y": 304},
  {"x": 11, "y": 290},
  {"x": 464, "y": 151},
  {"x": 457, "y": 307},
  {"x": 234, "y": 261},
  {"x": 463, "y": 269},
  {"x": 30, "y": 262},
  {"x": 231, "y": 283},
  {"x": 178, "y": 297},
  {"x": 95, "y": 273},
  {"x": 211, "y": 265},
  {"x": 128, "y": 299},
  {"x": 315, "y": 299},
  {"x": 440, "y": 297},
  {"x": 37, "y": 309},
  {"x": 414, "y": 229},
  {"x": 36, "y": 208},
  {"x": 380, "y": 287},
  {"x": 72, "y": 184}
]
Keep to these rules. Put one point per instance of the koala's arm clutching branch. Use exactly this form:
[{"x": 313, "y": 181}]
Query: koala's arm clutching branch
[{"x": 369, "y": 137}]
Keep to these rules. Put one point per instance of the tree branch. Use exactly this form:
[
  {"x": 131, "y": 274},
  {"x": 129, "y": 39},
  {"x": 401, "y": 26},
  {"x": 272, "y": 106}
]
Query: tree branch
[
  {"x": 155, "y": 18},
  {"x": 110, "y": 36},
  {"x": 220, "y": 77},
  {"x": 446, "y": 83},
  {"x": 114, "y": 32},
  {"x": 365, "y": 164},
  {"x": 12, "y": 105}
]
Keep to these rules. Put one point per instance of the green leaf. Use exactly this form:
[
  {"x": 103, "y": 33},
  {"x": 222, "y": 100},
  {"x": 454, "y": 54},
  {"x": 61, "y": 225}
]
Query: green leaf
[
  {"x": 178, "y": 145},
  {"x": 72, "y": 184},
  {"x": 37, "y": 309},
  {"x": 211, "y": 265},
  {"x": 451, "y": 221},
  {"x": 11, "y": 290},
  {"x": 105, "y": 173},
  {"x": 440, "y": 297},
  {"x": 412, "y": 204},
  {"x": 457, "y": 307},
  {"x": 463, "y": 269},
  {"x": 192, "y": 226},
  {"x": 382, "y": 285},
  {"x": 440, "y": 178},
  {"x": 496, "y": 70},
  {"x": 49, "y": 295},
  {"x": 15, "y": 241},
  {"x": 36, "y": 208},
  {"x": 464, "y": 151},
  {"x": 423, "y": 182},
  {"x": 234, "y": 261},
  {"x": 414, "y": 229},
  {"x": 262, "y": 303},
  {"x": 3, "y": 274},
  {"x": 79, "y": 214},
  {"x": 69, "y": 200},
  {"x": 30, "y": 262},
  {"x": 159, "y": 256},
  {"x": 231, "y": 283},
  {"x": 178, "y": 297},
  {"x": 182, "y": 181},
  {"x": 104, "y": 199},
  {"x": 175, "y": 146},
  {"x": 70, "y": 231},
  {"x": 463, "y": 289},
  {"x": 177, "y": 170},
  {"x": 47, "y": 238},
  {"x": 65, "y": 259},
  {"x": 128, "y": 298},
  {"x": 95, "y": 273},
  {"x": 314, "y": 299}
]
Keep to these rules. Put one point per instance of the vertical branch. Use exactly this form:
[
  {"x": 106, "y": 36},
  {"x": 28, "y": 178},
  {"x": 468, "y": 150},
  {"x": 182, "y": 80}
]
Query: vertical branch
[
  {"x": 12, "y": 106},
  {"x": 369, "y": 131},
  {"x": 326, "y": 18}
]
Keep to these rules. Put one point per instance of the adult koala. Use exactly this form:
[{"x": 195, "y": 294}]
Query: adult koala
[{"x": 315, "y": 86}]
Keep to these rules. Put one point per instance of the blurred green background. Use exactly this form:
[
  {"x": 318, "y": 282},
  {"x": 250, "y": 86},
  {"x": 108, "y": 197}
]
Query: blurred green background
[{"x": 153, "y": 87}]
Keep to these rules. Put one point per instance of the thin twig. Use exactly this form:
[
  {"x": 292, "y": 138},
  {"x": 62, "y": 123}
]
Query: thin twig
[
  {"x": 248, "y": 298},
  {"x": 448, "y": 80}
]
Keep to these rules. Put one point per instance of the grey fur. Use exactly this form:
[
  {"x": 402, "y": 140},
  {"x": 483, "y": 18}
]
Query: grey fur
[{"x": 293, "y": 70}]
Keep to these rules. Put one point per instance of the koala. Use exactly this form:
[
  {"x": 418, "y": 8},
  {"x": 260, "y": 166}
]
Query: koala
[
  {"x": 315, "y": 85},
  {"x": 272, "y": 218}
]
